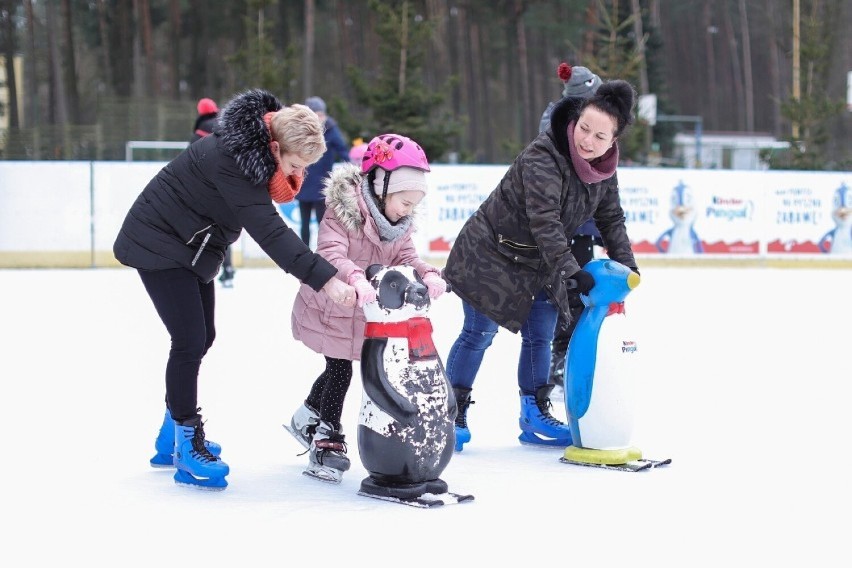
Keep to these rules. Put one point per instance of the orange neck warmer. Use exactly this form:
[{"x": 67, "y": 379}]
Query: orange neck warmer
[{"x": 283, "y": 189}]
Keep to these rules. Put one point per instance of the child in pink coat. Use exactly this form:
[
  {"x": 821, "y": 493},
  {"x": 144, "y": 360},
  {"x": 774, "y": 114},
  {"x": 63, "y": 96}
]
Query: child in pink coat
[{"x": 368, "y": 220}]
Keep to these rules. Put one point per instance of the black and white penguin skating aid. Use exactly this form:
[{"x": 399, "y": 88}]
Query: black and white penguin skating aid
[{"x": 406, "y": 428}]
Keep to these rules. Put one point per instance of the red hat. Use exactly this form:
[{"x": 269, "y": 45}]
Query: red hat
[{"x": 207, "y": 106}]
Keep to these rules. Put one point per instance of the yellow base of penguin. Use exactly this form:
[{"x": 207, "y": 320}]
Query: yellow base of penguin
[{"x": 603, "y": 457}]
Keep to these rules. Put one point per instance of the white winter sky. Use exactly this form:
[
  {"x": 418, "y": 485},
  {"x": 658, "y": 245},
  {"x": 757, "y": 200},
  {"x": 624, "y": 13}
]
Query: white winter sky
[{"x": 743, "y": 382}]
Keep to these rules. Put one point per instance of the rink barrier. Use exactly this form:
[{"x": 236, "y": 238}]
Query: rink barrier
[{"x": 67, "y": 214}]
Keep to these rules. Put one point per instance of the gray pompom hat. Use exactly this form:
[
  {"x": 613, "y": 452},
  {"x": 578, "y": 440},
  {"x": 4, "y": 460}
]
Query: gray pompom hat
[{"x": 579, "y": 81}]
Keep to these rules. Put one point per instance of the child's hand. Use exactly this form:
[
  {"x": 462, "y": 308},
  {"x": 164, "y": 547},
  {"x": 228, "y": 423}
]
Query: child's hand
[
  {"x": 366, "y": 292},
  {"x": 435, "y": 284}
]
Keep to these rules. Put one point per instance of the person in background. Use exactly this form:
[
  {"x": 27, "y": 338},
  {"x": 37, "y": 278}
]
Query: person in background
[
  {"x": 511, "y": 263},
  {"x": 311, "y": 199},
  {"x": 205, "y": 123},
  {"x": 578, "y": 82},
  {"x": 369, "y": 221},
  {"x": 356, "y": 153},
  {"x": 176, "y": 234}
]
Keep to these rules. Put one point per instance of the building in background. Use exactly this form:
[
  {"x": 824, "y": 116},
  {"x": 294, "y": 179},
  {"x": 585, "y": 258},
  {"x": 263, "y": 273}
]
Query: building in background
[{"x": 725, "y": 150}]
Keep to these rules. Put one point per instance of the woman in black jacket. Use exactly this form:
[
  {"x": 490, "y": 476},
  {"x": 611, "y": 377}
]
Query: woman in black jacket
[
  {"x": 176, "y": 234},
  {"x": 511, "y": 260}
]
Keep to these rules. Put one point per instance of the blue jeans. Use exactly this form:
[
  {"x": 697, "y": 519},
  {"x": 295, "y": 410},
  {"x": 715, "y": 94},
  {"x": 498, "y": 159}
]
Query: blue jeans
[{"x": 478, "y": 331}]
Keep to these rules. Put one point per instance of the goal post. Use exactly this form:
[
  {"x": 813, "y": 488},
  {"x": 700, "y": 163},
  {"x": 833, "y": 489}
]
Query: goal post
[{"x": 131, "y": 145}]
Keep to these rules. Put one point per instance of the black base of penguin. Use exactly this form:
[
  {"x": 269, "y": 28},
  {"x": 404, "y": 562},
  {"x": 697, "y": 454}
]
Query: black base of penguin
[{"x": 425, "y": 495}]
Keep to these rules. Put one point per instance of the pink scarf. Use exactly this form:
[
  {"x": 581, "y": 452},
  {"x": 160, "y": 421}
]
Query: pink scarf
[{"x": 598, "y": 169}]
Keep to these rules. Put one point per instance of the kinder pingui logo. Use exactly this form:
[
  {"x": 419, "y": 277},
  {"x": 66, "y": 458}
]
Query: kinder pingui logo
[{"x": 628, "y": 347}]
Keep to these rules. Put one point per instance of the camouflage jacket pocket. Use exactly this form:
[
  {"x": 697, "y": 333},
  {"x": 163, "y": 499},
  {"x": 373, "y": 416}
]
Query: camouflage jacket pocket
[{"x": 519, "y": 253}]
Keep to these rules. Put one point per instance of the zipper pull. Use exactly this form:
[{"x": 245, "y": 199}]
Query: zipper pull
[{"x": 201, "y": 248}]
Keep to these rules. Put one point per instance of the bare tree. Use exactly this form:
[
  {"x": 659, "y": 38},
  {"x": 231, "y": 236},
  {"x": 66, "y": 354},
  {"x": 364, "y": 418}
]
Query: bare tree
[
  {"x": 469, "y": 101},
  {"x": 201, "y": 47},
  {"x": 711, "y": 30},
  {"x": 531, "y": 114},
  {"x": 747, "y": 76},
  {"x": 481, "y": 75},
  {"x": 57, "y": 109},
  {"x": 308, "y": 50},
  {"x": 105, "y": 43},
  {"x": 174, "y": 56},
  {"x": 70, "y": 63},
  {"x": 7, "y": 33},
  {"x": 149, "y": 81},
  {"x": 123, "y": 50},
  {"x": 736, "y": 71},
  {"x": 774, "y": 66},
  {"x": 31, "y": 107}
]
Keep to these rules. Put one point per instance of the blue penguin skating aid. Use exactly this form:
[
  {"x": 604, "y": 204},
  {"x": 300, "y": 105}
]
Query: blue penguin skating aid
[{"x": 599, "y": 374}]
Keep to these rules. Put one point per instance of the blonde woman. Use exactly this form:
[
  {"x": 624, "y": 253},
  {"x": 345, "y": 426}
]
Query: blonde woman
[{"x": 176, "y": 235}]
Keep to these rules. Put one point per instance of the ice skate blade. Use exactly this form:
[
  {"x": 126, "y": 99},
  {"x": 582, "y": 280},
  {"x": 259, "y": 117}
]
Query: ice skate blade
[
  {"x": 324, "y": 474},
  {"x": 297, "y": 436},
  {"x": 643, "y": 464},
  {"x": 205, "y": 484},
  {"x": 530, "y": 439},
  {"x": 424, "y": 501}
]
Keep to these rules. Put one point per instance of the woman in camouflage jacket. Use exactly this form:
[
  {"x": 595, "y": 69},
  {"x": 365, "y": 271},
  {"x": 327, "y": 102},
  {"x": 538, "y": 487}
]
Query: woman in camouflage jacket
[{"x": 512, "y": 259}]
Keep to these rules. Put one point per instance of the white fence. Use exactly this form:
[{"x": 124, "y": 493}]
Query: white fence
[{"x": 67, "y": 214}]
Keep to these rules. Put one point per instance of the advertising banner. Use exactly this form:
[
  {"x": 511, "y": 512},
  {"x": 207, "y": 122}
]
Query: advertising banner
[{"x": 685, "y": 212}]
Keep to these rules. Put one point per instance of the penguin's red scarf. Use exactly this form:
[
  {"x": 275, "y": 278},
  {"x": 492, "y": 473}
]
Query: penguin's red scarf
[{"x": 417, "y": 330}]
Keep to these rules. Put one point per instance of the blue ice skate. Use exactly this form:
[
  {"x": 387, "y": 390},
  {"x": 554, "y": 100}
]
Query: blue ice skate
[
  {"x": 462, "y": 431},
  {"x": 165, "y": 444},
  {"x": 196, "y": 466},
  {"x": 538, "y": 426}
]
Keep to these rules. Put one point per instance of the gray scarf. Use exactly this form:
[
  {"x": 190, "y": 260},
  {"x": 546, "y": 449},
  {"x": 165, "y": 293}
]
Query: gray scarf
[{"x": 387, "y": 231}]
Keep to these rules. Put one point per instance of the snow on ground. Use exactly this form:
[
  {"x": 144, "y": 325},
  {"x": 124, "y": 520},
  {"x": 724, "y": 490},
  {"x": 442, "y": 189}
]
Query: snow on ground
[{"x": 741, "y": 383}]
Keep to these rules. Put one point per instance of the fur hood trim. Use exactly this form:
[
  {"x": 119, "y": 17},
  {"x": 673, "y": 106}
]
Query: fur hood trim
[
  {"x": 341, "y": 193},
  {"x": 566, "y": 110},
  {"x": 245, "y": 135}
]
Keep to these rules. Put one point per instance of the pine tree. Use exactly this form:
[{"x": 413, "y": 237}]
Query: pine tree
[
  {"x": 814, "y": 110},
  {"x": 396, "y": 96}
]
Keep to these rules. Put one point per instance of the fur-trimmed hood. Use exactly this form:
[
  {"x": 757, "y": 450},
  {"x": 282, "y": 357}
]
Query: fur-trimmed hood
[
  {"x": 245, "y": 135},
  {"x": 566, "y": 110},
  {"x": 341, "y": 195}
]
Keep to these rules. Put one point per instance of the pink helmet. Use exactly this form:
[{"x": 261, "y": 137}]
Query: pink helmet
[{"x": 393, "y": 151}]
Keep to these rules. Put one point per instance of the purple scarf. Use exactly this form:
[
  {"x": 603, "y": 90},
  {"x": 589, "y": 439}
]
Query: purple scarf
[{"x": 598, "y": 169}]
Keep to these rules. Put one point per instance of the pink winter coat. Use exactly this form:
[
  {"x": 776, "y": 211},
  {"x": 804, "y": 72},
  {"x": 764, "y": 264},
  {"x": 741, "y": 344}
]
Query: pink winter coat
[{"x": 349, "y": 239}]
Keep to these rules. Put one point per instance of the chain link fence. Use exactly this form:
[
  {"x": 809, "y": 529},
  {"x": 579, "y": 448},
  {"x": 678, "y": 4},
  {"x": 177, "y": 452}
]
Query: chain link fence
[{"x": 118, "y": 120}]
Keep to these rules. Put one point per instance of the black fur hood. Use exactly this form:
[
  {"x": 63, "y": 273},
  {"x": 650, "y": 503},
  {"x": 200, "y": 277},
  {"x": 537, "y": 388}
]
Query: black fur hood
[
  {"x": 245, "y": 135},
  {"x": 566, "y": 110}
]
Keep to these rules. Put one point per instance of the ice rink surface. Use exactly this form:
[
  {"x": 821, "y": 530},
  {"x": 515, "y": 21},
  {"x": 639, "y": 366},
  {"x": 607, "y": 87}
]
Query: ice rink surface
[{"x": 743, "y": 382}]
